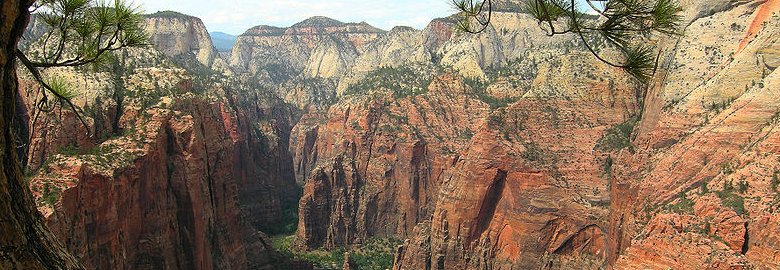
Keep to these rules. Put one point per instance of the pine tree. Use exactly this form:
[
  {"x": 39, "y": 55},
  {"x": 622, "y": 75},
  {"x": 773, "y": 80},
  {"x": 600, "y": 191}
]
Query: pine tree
[{"x": 627, "y": 26}]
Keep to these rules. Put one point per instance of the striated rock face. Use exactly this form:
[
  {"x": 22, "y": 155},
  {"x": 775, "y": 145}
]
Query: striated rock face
[
  {"x": 338, "y": 55},
  {"x": 703, "y": 183},
  {"x": 568, "y": 165},
  {"x": 530, "y": 191},
  {"x": 691, "y": 186},
  {"x": 163, "y": 198},
  {"x": 304, "y": 62},
  {"x": 400, "y": 47},
  {"x": 176, "y": 34},
  {"x": 362, "y": 182},
  {"x": 372, "y": 166},
  {"x": 180, "y": 172},
  {"x": 308, "y": 45}
]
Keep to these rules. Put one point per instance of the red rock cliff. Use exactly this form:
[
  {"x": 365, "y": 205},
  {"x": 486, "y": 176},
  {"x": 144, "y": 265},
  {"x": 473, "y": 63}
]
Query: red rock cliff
[
  {"x": 373, "y": 164},
  {"x": 693, "y": 185},
  {"x": 531, "y": 189},
  {"x": 701, "y": 191},
  {"x": 169, "y": 179}
]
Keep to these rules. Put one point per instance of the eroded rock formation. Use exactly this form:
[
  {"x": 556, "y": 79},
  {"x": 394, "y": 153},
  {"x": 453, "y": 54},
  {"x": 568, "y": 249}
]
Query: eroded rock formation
[
  {"x": 507, "y": 149},
  {"x": 172, "y": 171},
  {"x": 372, "y": 165},
  {"x": 689, "y": 187},
  {"x": 707, "y": 150}
]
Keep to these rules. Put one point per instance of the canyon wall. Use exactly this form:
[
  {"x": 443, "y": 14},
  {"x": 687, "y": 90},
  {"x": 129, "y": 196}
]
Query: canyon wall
[
  {"x": 302, "y": 63},
  {"x": 174, "y": 169},
  {"x": 701, "y": 189},
  {"x": 532, "y": 187},
  {"x": 692, "y": 184},
  {"x": 388, "y": 156},
  {"x": 373, "y": 163},
  {"x": 564, "y": 163},
  {"x": 503, "y": 150}
]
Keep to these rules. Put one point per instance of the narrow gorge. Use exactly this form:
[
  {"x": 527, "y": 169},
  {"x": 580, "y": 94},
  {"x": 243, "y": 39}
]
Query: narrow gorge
[{"x": 415, "y": 149}]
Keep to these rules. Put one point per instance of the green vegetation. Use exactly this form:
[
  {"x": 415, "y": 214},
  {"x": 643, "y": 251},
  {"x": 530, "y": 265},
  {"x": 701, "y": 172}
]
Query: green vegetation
[
  {"x": 375, "y": 254},
  {"x": 478, "y": 88},
  {"x": 718, "y": 107},
  {"x": 402, "y": 81},
  {"x": 87, "y": 32},
  {"x": 495, "y": 119},
  {"x": 402, "y": 119},
  {"x": 355, "y": 125},
  {"x": 202, "y": 77},
  {"x": 332, "y": 259},
  {"x": 775, "y": 181},
  {"x": 727, "y": 168},
  {"x": 743, "y": 186},
  {"x": 278, "y": 73},
  {"x": 407, "y": 81},
  {"x": 169, "y": 14},
  {"x": 704, "y": 189},
  {"x": 147, "y": 98},
  {"x": 466, "y": 134},
  {"x": 61, "y": 88},
  {"x": 69, "y": 150},
  {"x": 617, "y": 137},
  {"x": 532, "y": 152},
  {"x": 104, "y": 156},
  {"x": 730, "y": 199},
  {"x": 683, "y": 205},
  {"x": 719, "y": 239},
  {"x": 508, "y": 123},
  {"x": 109, "y": 156},
  {"x": 774, "y": 206},
  {"x": 775, "y": 118},
  {"x": 263, "y": 143},
  {"x": 608, "y": 162},
  {"x": 50, "y": 194},
  {"x": 390, "y": 129},
  {"x": 28, "y": 175},
  {"x": 289, "y": 220}
]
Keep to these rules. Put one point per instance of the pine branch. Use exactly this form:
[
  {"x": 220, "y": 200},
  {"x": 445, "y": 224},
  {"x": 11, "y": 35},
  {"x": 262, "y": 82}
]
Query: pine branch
[
  {"x": 43, "y": 104},
  {"x": 82, "y": 32},
  {"x": 621, "y": 22}
]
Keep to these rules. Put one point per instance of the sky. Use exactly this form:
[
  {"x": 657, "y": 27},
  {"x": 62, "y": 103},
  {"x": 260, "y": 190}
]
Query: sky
[{"x": 236, "y": 16}]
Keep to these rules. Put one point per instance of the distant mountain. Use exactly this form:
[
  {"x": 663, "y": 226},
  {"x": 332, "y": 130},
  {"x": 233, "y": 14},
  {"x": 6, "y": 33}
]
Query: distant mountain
[
  {"x": 318, "y": 21},
  {"x": 223, "y": 41}
]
